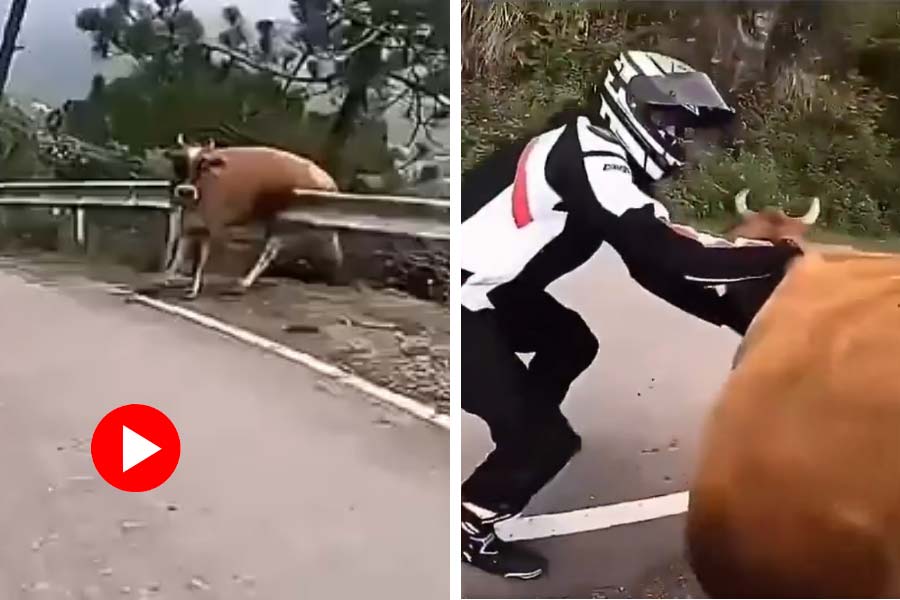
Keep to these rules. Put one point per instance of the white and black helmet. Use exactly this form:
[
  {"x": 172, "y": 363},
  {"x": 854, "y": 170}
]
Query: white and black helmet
[{"x": 653, "y": 102}]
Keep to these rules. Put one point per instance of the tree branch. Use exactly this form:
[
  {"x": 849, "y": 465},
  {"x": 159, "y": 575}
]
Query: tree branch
[
  {"x": 300, "y": 62},
  {"x": 421, "y": 89},
  {"x": 371, "y": 37},
  {"x": 237, "y": 56},
  {"x": 396, "y": 99},
  {"x": 245, "y": 60}
]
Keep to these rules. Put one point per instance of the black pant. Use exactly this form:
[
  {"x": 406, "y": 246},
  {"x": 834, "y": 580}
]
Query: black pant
[{"x": 521, "y": 405}]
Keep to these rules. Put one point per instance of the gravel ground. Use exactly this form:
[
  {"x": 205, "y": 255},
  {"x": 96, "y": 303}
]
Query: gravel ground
[{"x": 385, "y": 336}]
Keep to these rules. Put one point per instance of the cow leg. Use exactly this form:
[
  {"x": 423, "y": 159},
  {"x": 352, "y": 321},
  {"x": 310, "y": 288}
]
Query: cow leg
[
  {"x": 273, "y": 246},
  {"x": 198, "y": 271},
  {"x": 718, "y": 52},
  {"x": 735, "y": 76},
  {"x": 178, "y": 259}
]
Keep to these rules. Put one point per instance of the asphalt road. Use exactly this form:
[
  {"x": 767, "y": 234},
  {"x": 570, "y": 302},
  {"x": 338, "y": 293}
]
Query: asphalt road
[
  {"x": 289, "y": 486},
  {"x": 639, "y": 409}
]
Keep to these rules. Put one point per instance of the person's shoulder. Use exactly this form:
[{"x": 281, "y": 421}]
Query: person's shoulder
[
  {"x": 501, "y": 161},
  {"x": 567, "y": 114},
  {"x": 602, "y": 133}
]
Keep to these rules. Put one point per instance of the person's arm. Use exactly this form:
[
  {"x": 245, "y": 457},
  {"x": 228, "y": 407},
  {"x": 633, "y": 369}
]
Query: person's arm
[
  {"x": 709, "y": 240},
  {"x": 647, "y": 243},
  {"x": 724, "y": 285},
  {"x": 674, "y": 262}
]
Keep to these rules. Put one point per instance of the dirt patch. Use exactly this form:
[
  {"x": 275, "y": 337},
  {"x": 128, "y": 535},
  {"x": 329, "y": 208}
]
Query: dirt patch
[{"x": 386, "y": 336}]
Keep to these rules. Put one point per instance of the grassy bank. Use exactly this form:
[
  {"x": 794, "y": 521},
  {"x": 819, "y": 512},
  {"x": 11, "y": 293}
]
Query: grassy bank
[{"x": 807, "y": 127}]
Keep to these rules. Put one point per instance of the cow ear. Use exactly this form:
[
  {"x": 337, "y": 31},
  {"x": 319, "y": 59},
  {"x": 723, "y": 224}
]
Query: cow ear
[
  {"x": 210, "y": 163},
  {"x": 215, "y": 161}
]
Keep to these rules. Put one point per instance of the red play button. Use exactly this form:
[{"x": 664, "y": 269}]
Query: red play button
[{"x": 135, "y": 448}]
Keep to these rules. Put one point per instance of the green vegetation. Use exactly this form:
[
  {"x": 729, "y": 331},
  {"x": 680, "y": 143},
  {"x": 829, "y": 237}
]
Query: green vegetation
[
  {"x": 255, "y": 83},
  {"x": 820, "y": 117},
  {"x": 19, "y": 156}
]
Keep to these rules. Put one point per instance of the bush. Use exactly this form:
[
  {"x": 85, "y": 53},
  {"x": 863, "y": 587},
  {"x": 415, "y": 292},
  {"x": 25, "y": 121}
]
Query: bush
[
  {"x": 807, "y": 130},
  {"x": 523, "y": 40},
  {"x": 19, "y": 157},
  {"x": 827, "y": 146},
  {"x": 524, "y": 61}
]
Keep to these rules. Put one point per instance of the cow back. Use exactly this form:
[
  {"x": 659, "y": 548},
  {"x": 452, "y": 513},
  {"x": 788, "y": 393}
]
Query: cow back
[
  {"x": 797, "y": 492},
  {"x": 256, "y": 183}
]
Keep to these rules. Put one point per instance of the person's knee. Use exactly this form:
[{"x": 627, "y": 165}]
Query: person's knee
[
  {"x": 547, "y": 436},
  {"x": 559, "y": 441},
  {"x": 567, "y": 446},
  {"x": 588, "y": 346},
  {"x": 581, "y": 340}
]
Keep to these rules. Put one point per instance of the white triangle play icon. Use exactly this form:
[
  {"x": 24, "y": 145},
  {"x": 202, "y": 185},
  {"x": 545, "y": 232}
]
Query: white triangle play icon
[{"x": 135, "y": 449}]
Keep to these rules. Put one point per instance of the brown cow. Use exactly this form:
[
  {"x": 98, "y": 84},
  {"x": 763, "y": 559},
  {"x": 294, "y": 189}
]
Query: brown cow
[
  {"x": 797, "y": 489},
  {"x": 771, "y": 224},
  {"x": 235, "y": 186}
]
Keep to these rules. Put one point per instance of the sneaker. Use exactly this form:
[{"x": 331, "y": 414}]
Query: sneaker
[{"x": 482, "y": 548}]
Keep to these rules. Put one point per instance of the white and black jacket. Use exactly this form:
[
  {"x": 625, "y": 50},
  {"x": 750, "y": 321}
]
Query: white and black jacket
[{"x": 540, "y": 208}]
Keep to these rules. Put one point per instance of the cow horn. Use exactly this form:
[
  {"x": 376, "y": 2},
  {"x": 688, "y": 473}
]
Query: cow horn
[
  {"x": 180, "y": 139},
  {"x": 740, "y": 202},
  {"x": 812, "y": 214}
]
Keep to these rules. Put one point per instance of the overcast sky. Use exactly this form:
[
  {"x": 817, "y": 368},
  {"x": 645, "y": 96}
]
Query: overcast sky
[{"x": 57, "y": 64}]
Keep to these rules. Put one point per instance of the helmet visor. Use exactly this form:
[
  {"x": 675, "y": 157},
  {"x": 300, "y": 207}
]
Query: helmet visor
[
  {"x": 681, "y": 132},
  {"x": 682, "y": 119},
  {"x": 692, "y": 90}
]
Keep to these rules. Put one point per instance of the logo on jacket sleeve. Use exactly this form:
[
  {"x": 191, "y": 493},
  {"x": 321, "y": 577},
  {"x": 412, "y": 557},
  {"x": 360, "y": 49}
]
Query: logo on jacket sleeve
[{"x": 617, "y": 167}]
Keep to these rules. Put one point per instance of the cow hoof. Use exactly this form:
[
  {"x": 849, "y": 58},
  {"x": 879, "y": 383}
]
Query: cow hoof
[
  {"x": 234, "y": 291},
  {"x": 174, "y": 282},
  {"x": 262, "y": 283},
  {"x": 151, "y": 291},
  {"x": 191, "y": 295}
]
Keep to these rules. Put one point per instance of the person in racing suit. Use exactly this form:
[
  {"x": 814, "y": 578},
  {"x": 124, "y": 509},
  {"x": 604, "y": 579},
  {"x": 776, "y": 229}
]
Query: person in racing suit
[{"x": 537, "y": 210}]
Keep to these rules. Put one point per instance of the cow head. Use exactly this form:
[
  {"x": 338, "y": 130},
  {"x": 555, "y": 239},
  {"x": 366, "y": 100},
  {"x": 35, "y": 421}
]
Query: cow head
[
  {"x": 767, "y": 225},
  {"x": 770, "y": 224},
  {"x": 195, "y": 161}
]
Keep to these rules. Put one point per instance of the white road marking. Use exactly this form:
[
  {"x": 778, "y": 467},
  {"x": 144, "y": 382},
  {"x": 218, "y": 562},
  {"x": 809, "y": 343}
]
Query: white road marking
[
  {"x": 594, "y": 518},
  {"x": 414, "y": 407}
]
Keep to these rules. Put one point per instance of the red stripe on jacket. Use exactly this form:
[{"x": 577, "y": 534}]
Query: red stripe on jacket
[{"x": 520, "y": 208}]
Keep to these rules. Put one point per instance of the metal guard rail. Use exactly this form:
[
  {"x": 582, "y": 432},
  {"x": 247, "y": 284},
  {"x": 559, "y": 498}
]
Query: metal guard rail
[
  {"x": 343, "y": 210},
  {"x": 156, "y": 194}
]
